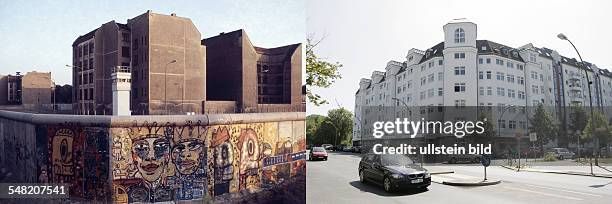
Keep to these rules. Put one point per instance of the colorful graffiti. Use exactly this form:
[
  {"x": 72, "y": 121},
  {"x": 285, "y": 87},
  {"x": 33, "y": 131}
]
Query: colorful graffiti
[{"x": 151, "y": 162}]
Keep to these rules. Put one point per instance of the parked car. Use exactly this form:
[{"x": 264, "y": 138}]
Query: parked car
[
  {"x": 347, "y": 149},
  {"x": 562, "y": 153},
  {"x": 339, "y": 147},
  {"x": 393, "y": 172},
  {"x": 356, "y": 149},
  {"x": 463, "y": 158},
  {"x": 327, "y": 146},
  {"x": 318, "y": 153}
]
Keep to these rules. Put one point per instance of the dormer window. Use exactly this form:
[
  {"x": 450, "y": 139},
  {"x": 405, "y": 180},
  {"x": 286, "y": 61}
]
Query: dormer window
[{"x": 459, "y": 35}]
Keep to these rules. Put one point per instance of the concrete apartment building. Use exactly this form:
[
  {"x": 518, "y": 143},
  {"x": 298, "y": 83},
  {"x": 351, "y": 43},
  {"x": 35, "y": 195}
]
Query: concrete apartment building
[
  {"x": 247, "y": 78},
  {"x": 32, "y": 91},
  {"x": 465, "y": 71},
  {"x": 164, "y": 54}
]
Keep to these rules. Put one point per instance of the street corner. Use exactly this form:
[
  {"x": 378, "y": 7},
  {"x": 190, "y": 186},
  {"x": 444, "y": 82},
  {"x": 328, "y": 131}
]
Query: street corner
[
  {"x": 471, "y": 182},
  {"x": 454, "y": 179}
]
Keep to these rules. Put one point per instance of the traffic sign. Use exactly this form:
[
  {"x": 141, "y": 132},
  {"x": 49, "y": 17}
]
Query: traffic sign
[
  {"x": 533, "y": 137},
  {"x": 485, "y": 160}
]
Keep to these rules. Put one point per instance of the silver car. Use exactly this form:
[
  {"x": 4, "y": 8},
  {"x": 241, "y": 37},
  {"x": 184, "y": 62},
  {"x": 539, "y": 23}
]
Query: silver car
[{"x": 562, "y": 153}]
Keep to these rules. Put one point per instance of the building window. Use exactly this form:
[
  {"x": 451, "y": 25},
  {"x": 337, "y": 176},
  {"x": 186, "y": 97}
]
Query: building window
[
  {"x": 430, "y": 93},
  {"x": 459, "y": 70},
  {"x": 480, "y": 75},
  {"x": 460, "y": 55},
  {"x": 501, "y": 123},
  {"x": 511, "y": 93},
  {"x": 459, "y": 87},
  {"x": 510, "y": 78},
  {"x": 459, "y": 35},
  {"x": 481, "y": 91},
  {"x": 440, "y": 76},
  {"x": 499, "y": 62},
  {"x": 91, "y": 79},
  {"x": 135, "y": 60},
  {"x": 423, "y": 80},
  {"x": 520, "y": 67},
  {"x": 489, "y": 91},
  {"x": 480, "y": 61},
  {"x": 501, "y": 91},
  {"x": 430, "y": 78},
  {"x": 510, "y": 65},
  {"x": 460, "y": 103},
  {"x": 499, "y": 76},
  {"x": 125, "y": 51},
  {"x": 440, "y": 91},
  {"x": 125, "y": 37},
  {"x": 440, "y": 62},
  {"x": 521, "y": 80},
  {"x": 488, "y": 60},
  {"x": 488, "y": 74},
  {"x": 532, "y": 57}
]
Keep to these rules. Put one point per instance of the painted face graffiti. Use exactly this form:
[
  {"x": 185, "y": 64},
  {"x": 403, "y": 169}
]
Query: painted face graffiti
[
  {"x": 186, "y": 155},
  {"x": 151, "y": 156}
]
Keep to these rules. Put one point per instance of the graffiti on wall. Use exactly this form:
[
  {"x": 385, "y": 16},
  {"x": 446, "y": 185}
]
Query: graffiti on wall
[
  {"x": 151, "y": 162},
  {"x": 78, "y": 157},
  {"x": 155, "y": 163}
]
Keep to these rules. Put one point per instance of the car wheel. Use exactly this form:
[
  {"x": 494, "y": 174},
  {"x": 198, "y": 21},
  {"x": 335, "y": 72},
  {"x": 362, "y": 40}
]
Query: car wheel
[
  {"x": 387, "y": 184},
  {"x": 361, "y": 178},
  {"x": 325, "y": 159}
]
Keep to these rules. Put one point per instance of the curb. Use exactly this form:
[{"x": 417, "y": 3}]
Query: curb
[
  {"x": 441, "y": 172},
  {"x": 471, "y": 183},
  {"x": 561, "y": 172}
]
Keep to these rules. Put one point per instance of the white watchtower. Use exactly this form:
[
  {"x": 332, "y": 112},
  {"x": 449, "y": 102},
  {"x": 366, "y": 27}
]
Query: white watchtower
[{"x": 122, "y": 80}]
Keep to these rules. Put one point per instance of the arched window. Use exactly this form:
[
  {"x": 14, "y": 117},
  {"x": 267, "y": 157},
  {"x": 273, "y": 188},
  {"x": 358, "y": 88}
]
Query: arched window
[{"x": 459, "y": 35}]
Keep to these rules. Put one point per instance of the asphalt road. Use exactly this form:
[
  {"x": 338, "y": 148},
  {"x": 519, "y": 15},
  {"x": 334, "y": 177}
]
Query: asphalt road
[{"x": 336, "y": 181}]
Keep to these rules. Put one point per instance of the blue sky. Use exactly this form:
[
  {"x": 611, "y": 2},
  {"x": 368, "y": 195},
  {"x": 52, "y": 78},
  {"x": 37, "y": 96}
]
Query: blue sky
[
  {"x": 37, "y": 35},
  {"x": 365, "y": 35}
]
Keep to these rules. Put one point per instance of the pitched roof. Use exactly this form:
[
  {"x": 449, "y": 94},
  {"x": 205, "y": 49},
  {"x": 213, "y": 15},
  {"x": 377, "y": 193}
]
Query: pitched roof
[
  {"x": 435, "y": 51},
  {"x": 493, "y": 48}
]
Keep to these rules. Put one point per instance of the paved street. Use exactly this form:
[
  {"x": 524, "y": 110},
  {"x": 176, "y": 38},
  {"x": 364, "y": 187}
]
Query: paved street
[{"x": 336, "y": 181}]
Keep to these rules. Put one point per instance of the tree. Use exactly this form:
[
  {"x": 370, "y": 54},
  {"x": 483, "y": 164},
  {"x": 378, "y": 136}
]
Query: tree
[
  {"x": 319, "y": 73},
  {"x": 313, "y": 123},
  {"x": 543, "y": 124},
  {"x": 342, "y": 121},
  {"x": 578, "y": 120},
  {"x": 602, "y": 129}
]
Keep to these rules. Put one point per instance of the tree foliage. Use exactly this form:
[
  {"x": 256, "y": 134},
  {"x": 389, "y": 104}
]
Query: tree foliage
[
  {"x": 335, "y": 128},
  {"x": 319, "y": 73},
  {"x": 544, "y": 125},
  {"x": 602, "y": 129},
  {"x": 578, "y": 119}
]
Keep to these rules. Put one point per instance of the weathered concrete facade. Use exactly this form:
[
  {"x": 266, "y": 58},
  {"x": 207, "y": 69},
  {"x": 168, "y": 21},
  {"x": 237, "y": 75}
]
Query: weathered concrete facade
[
  {"x": 166, "y": 57},
  {"x": 251, "y": 75},
  {"x": 156, "y": 158}
]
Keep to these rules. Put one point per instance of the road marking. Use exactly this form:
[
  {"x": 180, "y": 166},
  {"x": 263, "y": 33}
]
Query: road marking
[
  {"x": 542, "y": 193},
  {"x": 556, "y": 189}
]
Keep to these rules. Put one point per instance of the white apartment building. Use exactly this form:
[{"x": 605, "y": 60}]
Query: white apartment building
[{"x": 465, "y": 71}]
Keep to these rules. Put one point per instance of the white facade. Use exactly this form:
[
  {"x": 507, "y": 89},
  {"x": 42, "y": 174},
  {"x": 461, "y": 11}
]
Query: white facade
[
  {"x": 464, "y": 71},
  {"x": 122, "y": 80}
]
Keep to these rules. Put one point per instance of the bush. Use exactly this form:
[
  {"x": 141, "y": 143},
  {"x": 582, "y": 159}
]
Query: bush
[{"x": 550, "y": 157}]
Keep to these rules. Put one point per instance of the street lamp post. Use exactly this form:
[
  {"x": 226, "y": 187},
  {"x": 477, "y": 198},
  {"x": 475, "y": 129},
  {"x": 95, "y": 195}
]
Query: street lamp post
[
  {"x": 165, "y": 87},
  {"x": 406, "y": 105},
  {"x": 586, "y": 72},
  {"x": 337, "y": 132},
  {"x": 79, "y": 89},
  {"x": 499, "y": 126}
]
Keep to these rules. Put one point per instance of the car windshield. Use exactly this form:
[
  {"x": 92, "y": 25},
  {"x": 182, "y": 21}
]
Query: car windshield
[
  {"x": 318, "y": 149},
  {"x": 395, "y": 159},
  {"x": 563, "y": 150}
]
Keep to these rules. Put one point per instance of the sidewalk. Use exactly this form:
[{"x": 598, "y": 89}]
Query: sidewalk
[
  {"x": 582, "y": 170},
  {"x": 442, "y": 175}
]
